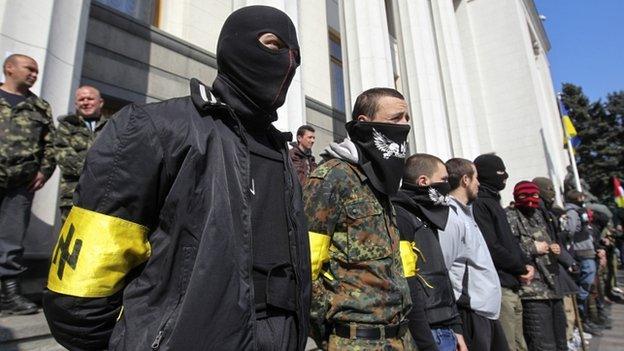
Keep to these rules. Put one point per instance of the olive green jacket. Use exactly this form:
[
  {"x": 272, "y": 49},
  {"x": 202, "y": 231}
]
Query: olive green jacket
[
  {"x": 72, "y": 141},
  {"x": 26, "y": 134}
]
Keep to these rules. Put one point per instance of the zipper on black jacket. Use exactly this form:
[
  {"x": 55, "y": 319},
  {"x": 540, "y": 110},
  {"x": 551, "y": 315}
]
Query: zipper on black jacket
[
  {"x": 156, "y": 344},
  {"x": 240, "y": 131}
]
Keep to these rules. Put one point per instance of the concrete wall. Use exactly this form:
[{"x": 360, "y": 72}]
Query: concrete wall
[
  {"x": 506, "y": 60},
  {"x": 129, "y": 60}
]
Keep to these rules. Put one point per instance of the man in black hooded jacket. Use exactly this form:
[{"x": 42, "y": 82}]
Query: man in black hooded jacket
[
  {"x": 422, "y": 210},
  {"x": 503, "y": 246},
  {"x": 189, "y": 215}
]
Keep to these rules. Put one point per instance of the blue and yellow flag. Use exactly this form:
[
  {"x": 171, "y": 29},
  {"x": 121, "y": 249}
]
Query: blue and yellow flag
[{"x": 568, "y": 127}]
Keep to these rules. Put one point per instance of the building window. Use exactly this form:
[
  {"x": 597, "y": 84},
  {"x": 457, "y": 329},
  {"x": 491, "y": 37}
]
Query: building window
[
  {"x": 144, "y": 10},
  {"x": 336, "y": 72}
]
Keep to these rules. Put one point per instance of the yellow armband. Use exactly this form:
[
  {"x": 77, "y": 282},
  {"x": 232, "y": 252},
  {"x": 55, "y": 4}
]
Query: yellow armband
[
  {"x": 408, "y": 258},
  {"x": 94, "y": 253},
  {"x": 319, "y": 252}
]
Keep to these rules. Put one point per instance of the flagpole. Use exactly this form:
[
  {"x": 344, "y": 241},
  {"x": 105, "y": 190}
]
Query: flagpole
[{"x": 577, "y": 181}]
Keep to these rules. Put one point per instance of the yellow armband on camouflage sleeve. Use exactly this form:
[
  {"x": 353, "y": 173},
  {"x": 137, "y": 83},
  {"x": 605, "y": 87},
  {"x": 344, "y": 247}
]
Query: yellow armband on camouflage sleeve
[
  {"x": 319, "y": 252},
  {"x": 94, "y": 253},
  {"x": 408, "y": 258}
]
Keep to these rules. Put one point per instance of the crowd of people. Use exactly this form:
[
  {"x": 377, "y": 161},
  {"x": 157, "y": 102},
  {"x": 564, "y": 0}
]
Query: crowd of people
[{"x": 190, "y": 224}]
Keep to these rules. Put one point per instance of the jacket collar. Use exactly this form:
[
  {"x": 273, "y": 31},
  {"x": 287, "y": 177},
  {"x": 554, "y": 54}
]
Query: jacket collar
[
  {"x": 487, "y": 192},
  {"x": 203, "y": 98},
  {"x": 437, "y": 216},
  {"x": 206, "y": 102},
  {"x": 31, "y": 101}
]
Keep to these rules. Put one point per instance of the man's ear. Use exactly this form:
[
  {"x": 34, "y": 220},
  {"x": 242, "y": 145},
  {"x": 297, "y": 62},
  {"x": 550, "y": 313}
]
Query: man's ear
[
  {"x": 423, "y": 180},
  {"x": 363, "y": 118},
  {"x": 465, "y": 180}
]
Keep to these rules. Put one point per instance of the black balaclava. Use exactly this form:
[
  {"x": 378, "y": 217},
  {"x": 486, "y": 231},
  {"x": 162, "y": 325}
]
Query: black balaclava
[
  {"x": 259, "y": 76},
  {"x": 491, "y": 171},
  {"x": 382, "y": 149}
]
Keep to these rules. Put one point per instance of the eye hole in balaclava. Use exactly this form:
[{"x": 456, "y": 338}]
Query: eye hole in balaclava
[
  {"x": 261, "y": 74},
  {"x": 491, "y": 170}
]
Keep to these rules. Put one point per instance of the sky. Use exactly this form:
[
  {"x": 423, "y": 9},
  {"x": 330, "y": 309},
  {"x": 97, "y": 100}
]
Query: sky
[{"x": 587, "y": 44}]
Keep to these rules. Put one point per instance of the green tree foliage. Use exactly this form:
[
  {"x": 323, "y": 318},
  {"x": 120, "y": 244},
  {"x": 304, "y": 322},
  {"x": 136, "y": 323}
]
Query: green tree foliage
[{"x": 600, "y": 125}]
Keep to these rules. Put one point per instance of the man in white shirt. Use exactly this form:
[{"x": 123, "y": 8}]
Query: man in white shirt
[{"x": 471, "y": 270}]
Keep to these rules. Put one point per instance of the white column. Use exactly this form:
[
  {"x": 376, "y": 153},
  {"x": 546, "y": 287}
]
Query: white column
[
  {"x": 292, "y": 113},
  {"x": 458, "y": 100},
  {"x": 53, "y": 33},
  {"x": 367, "y": 41},
  {"x": 423, "y": 76}
]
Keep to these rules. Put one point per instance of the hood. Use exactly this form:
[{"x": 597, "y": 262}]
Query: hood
[{"x": 346, "y": 150}]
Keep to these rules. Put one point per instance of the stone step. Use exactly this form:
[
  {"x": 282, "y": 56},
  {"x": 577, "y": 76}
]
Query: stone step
[
  {"x": 44, "y": 343},
  {"x": 26, "y": 333}
]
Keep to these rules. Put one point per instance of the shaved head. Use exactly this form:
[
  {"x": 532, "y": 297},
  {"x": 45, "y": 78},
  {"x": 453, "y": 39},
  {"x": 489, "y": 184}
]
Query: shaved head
[
  {"x": 20, "y": 73},
  {"x": 15, "y": 59},
  {"x": 88, "y": 102},
  {"x": 90, "y": 89}
]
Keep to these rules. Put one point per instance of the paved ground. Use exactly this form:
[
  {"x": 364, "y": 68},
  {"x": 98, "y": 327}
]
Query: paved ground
[{"x": 613, "y": 339}]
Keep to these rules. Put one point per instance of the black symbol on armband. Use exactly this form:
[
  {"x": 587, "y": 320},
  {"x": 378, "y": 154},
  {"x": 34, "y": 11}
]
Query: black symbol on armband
[{"x": 70, "y": 258}]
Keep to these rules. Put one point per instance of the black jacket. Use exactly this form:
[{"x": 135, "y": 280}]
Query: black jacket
[
  {"x": 504, "y": 247},
  {"x": 564, "y": 284},
  {"x": 181, "y": 169},
  {"x": 417, "y": 224}
]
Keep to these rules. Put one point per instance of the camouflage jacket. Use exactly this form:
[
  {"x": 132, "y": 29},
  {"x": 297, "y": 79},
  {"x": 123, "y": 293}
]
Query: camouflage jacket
[
  {"x": 359, "y": 277},
  {"x": 26, "y": 134},
  {"x": 528, "y": 231},
  {"x": 72, "y": 141}
]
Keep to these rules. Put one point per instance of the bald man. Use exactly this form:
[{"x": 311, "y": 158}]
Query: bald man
[
  {"x": 75, "y": 135},
  {"x": 26, "y": 162}
]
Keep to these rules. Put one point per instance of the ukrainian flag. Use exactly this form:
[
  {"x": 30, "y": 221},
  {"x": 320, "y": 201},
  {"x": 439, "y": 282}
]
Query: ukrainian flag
[{"x": 568, "y": 127}]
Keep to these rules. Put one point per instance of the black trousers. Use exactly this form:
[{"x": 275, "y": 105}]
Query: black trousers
[
  {"x": 14, "y": 217},
  {"x": 276, "y": 332},
  {"x": 544, "y": 325},
  {"x": 483, "y": 334}
]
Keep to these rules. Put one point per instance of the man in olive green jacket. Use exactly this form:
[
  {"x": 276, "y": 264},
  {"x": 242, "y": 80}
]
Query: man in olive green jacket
[
  {"x": 26, "y": 163},
  {"x": 74, "y": 136}
]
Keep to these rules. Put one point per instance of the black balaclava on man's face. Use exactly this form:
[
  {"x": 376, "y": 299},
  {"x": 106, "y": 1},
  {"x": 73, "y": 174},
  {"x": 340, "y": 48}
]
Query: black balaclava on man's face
[
  {"x": 260, "y": 74},
  {"x": 491, "y": 170}
]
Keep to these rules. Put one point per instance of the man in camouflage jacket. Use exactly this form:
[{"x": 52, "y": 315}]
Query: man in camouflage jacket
[
  {"x": 26, "y": 163},
  {"x": 543, "y": 313},
  {"x": 360, "y": 297},
  {"x": 74, "y": 136}
]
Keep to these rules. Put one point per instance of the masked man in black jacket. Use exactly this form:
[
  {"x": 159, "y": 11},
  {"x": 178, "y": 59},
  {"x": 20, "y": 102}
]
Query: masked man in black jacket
[
  {"x": 422, "y": 210},
  {"x": 504, "y": 247},
  {"x": 188, "y": 213}
]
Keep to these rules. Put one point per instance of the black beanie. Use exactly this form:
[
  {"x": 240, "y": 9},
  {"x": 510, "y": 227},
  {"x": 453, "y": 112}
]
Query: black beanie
[{"x": 491, "y": 171}]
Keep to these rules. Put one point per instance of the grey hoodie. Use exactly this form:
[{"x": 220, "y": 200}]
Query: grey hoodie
[
  {"x": 583, "y": 248},
  {"x": 346, "y": 150}
]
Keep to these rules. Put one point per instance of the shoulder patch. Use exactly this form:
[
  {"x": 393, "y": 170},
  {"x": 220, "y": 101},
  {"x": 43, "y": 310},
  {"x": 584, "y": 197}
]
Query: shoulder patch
[{"x": 323, "y": 169}]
